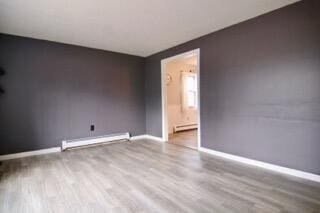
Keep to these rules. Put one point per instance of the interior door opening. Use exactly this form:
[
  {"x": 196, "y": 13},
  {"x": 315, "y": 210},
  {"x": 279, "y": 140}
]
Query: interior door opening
[{"x": 180, "y": 99}]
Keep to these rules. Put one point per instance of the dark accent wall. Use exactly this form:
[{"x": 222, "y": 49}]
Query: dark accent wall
[
  {"x": 55, "y": 91},
  {"x": 260, "y": 87}
]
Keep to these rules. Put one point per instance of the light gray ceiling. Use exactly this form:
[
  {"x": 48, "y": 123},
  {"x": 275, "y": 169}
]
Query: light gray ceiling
[{"x": 138, "y": 27}]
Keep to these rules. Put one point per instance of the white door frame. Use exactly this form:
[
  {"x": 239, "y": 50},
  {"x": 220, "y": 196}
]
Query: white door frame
[{"x": 164, "y": 93}]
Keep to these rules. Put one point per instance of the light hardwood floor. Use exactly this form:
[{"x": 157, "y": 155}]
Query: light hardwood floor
[
  {"x": 146, "y": 176},
  {"x": 185, "y": 138}
]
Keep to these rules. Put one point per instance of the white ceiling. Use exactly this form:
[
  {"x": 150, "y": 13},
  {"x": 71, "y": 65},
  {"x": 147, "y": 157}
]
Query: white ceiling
[{"x": 138, "y": 27}]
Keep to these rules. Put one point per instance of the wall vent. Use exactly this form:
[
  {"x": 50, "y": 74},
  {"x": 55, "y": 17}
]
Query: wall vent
[{"x": 185, "y": 127}]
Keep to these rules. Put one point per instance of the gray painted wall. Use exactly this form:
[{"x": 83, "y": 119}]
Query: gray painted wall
[
  {"x": 56, "y": 91},
  {"x": 260, "y": 88}
]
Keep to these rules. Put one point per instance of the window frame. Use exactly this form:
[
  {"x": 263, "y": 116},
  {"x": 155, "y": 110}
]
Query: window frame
[{"x": 191, "y": 90}]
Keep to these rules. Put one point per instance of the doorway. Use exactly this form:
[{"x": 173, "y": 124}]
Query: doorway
[{"x": 180, "y": 78}]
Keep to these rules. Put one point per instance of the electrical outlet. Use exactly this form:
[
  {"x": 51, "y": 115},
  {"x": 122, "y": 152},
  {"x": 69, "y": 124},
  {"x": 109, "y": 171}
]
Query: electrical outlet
[{"x": 92, "y": 128}]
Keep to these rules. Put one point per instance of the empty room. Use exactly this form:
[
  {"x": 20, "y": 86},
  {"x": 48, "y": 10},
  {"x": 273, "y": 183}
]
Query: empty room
[{"x": 160, "y": 106}]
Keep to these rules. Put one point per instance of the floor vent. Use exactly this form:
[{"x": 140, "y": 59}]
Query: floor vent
[
  {"x": 185, "y": 127},
  {"x": 67, "y": 144}
]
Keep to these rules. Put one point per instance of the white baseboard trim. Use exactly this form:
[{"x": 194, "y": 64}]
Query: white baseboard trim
[
  {"x": 30, "y": 153},
  {"x": 66, "y": 144},
  {"x": 138, "y": 137},
  {"x": 150, "y": 137},
  {"x": 280, "y": 169}
]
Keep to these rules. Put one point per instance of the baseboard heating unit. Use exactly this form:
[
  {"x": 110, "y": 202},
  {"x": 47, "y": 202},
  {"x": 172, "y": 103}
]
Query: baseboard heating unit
[
  {"x": 68, "y": 144},
  {"x": 185, "y": 127}
]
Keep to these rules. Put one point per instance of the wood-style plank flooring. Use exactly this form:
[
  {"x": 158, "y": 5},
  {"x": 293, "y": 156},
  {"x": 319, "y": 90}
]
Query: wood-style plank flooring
[
  {"x": 187, "y": 138},
  {"x": 146, "y": 176}
]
